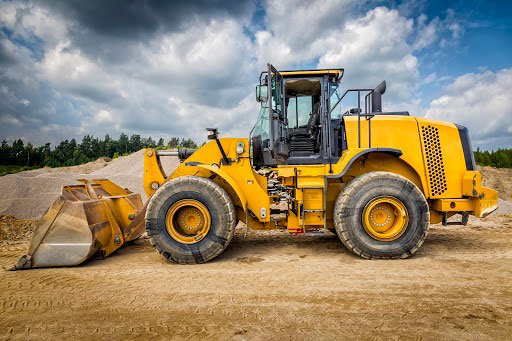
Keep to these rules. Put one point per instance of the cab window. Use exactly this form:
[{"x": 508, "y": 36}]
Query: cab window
[{"x": 299, "y": 110}]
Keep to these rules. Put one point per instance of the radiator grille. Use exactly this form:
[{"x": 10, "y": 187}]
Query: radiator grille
[{"x": 434, "y": 159}]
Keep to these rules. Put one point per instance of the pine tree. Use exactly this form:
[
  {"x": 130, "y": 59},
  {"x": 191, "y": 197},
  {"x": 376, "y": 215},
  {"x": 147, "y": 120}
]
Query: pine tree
[
  {"x": 173, "y": 142},
  {"x": 135, "y": 143},
  {"x": 123, "y": 143}
]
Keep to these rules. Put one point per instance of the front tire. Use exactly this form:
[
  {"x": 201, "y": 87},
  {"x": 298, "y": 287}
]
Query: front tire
[
  {"x": 381, "y": 215},
  {"x": 190, "y": 220}
]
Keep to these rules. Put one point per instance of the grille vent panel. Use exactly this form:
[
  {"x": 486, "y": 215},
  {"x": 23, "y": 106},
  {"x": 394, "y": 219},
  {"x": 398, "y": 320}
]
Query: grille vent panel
[{"x": 434, "y": 160}]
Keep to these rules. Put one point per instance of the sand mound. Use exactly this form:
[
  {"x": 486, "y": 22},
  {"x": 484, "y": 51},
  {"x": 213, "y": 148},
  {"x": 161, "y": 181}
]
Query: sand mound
[
  {"x": 27, "y": 195},
  {"x": 128, "y": 171},
  {"x": 133, "y": 164},
  {"x": 499, "y": 179},
  {"x": 82, "y": 169},
  {"x": 504, "y": 207}
]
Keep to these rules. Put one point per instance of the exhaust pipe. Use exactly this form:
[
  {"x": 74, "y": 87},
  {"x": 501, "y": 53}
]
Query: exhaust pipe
[{"x": 377, "y": 97}]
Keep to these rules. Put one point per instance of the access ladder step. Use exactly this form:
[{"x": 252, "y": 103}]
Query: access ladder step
[{"x": 318, "y": 233}]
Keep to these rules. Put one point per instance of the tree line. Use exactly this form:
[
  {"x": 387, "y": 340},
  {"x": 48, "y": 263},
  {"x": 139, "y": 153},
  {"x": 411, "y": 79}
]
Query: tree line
[
  {"x": 71, "y": 153},
  {"x": 501, "y": 158}
]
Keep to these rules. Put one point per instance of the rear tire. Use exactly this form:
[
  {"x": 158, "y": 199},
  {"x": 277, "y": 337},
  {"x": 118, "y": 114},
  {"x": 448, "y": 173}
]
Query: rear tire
[
  {"x": 403, "y": 209},
  {"x": 212, "y": 201}
]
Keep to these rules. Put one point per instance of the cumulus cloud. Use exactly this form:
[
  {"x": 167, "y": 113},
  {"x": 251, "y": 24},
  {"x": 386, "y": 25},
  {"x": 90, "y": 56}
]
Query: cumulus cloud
[
  {"x": 427, "y": 32},
  {"x": 375, "y": 47},
  {"x": 166, "y": 69},
  {"x": 97, "y": 63},
  {"x": 482, "y": 102},
  {"x": 372, "y": 45}
]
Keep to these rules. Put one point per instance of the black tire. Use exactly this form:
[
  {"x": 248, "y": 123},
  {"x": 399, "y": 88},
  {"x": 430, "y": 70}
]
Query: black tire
[
  {"x": 333, "y": 230},
  {"x": 349, "y": 208},
  {"x": 220, "y": 208}
]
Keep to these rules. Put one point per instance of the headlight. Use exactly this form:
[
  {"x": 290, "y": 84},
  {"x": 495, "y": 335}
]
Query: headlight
[{"x": 240, "y": 148}]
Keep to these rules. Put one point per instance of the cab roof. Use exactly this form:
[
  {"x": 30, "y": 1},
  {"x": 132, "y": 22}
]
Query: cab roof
[
  {"x": 338, "y": 73},
  {"x": 335, "y": 74}
]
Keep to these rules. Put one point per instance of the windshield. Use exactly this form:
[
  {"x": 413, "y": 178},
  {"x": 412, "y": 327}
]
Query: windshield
[{"x": 261, "y": 128}]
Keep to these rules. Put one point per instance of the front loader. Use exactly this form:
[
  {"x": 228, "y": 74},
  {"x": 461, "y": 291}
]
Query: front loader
[
  {"x": 311, "y": 165},
  {"x": 95, "y": 218}
]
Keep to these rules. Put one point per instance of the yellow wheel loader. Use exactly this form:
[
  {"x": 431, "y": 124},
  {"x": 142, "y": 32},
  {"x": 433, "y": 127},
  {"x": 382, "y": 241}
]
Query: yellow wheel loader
[{"x": 311, "y": 165}]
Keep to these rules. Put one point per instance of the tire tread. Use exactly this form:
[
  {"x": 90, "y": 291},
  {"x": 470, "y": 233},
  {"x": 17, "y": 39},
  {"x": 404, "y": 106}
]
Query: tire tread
[
  {"x": 208, "y": 188},
  {"x": 340, "y": 222}
]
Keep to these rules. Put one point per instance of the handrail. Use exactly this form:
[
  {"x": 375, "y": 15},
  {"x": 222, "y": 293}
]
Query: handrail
[
  {"x": 367, "y": 115},
  {"x": 349, "y": 90}
]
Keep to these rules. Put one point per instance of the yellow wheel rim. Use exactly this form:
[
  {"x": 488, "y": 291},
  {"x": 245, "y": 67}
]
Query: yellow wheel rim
[
  {"x": 385, "y": 218},
  {"x": 188, "y": 221}
]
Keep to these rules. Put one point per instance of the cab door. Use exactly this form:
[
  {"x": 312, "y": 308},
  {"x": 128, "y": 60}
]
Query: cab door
[{"x": 277, "y": 118}]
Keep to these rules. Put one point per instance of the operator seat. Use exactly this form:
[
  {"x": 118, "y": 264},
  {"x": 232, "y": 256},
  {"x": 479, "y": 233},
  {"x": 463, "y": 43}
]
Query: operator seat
[{"x": 314, "y": 119}]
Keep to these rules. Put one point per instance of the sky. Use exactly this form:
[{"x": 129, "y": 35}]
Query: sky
[{"x": 173, "y": 68}]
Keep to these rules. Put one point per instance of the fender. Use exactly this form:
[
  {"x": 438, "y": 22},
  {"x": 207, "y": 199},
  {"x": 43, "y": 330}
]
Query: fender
[
  {"x": 225, "y": 176},
  {"x": 391, "y": 151}
]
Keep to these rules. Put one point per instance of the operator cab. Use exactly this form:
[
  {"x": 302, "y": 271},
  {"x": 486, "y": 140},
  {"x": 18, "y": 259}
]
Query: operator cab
[
  {"x": 300, "y": 130},
  {"x": 301, "y": 120},
  {"x": 302, "y": 102}
]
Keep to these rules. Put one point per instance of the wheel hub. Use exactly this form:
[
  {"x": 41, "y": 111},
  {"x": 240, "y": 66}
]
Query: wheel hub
[
  {"x": 188, "y": 221},
  {"x": 385, "y": 218}
]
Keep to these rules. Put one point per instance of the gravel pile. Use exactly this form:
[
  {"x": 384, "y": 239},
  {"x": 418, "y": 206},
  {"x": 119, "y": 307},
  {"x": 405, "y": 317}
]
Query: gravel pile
[
  {"x": 504, "y": 207},
  {"x": 27, "y": 195},
  {"x": 128, "y": 171}
]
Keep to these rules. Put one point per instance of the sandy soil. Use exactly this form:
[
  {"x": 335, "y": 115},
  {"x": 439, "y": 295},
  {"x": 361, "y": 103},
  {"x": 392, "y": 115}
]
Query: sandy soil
[{"x": 272, "y": 285}]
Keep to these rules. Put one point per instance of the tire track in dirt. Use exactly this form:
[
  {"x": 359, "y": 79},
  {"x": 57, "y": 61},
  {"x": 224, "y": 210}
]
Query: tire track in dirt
[{"x": 270, "y": 286}]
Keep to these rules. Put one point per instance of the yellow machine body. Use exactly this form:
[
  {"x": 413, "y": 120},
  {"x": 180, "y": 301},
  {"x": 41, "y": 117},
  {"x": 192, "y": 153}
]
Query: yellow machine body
[{"x": 427, "y": 152}]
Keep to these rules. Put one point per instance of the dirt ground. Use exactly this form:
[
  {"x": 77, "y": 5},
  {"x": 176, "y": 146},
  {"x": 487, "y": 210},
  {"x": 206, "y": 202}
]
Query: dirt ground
[
  {"x": 272, "y": 285},
  {"x": 266, "y": 285}
]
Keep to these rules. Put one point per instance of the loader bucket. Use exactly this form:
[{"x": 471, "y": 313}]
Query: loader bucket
[{"x": 97, "y": 217}]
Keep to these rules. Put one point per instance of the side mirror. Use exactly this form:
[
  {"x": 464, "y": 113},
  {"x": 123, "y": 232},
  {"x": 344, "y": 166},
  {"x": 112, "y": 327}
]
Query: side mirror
[
  {"x": 212, "y": 133},
  {"x": 261, "y": 93}
]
